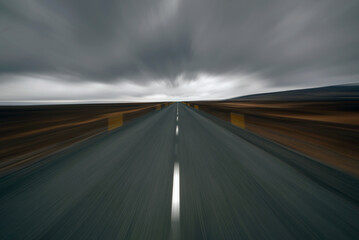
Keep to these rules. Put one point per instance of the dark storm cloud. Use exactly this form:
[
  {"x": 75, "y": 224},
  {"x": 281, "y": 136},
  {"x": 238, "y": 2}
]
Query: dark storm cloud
[{"x": 287, "y": 42}]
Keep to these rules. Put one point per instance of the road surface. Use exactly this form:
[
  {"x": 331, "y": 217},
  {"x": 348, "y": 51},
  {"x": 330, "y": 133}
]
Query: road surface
[{"x": 178, "y": 176}]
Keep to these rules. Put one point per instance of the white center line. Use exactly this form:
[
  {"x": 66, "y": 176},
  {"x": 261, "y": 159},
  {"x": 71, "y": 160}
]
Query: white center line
[
  {"x": 177, "y": 130},
  {"x": 176, "y": 193},
  {"x": 177, "y": 118}
]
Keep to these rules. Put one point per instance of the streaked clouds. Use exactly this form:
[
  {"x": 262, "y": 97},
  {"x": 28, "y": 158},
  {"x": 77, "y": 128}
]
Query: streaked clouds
[{"x": 133, "y": 50}]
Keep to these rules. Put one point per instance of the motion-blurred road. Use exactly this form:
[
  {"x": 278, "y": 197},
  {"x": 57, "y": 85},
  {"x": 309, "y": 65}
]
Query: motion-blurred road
[{"x": 232, "y": 185}]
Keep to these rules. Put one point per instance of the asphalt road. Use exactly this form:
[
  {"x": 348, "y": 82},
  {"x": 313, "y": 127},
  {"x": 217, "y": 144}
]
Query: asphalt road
[{"x": 160, "y": 177}]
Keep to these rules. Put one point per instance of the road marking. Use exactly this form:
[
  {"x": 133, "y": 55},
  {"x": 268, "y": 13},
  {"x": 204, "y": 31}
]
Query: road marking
[
  {"x": 176, "y": 194},
  {"x": 175, "y": 213}
]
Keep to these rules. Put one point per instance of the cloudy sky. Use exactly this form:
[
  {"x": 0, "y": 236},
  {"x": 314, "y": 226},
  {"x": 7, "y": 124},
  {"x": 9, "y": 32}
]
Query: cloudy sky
[{"x": 149, "y": 50}]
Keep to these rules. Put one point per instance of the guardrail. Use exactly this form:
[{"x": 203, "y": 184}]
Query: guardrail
[
  {"x": 324, "y": 130},
  {"x": 28, "y": 133}
]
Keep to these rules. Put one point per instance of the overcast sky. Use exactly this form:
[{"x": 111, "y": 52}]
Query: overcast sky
[{"x": 149, "y": 50}]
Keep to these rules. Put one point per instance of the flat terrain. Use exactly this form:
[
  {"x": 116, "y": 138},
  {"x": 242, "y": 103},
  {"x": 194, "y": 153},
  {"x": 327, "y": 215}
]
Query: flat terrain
[
  {"x": 325, "y": 130},
  {"x": 28, "y": 133},
  {"x": 233, "y": 185}
]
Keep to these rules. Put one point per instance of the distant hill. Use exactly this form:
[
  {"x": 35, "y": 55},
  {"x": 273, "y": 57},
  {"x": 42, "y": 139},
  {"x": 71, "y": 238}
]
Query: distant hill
[{"x": 339, "y": 92}]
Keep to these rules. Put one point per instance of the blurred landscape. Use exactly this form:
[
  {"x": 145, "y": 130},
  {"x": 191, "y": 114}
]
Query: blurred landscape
[
  {"x": 179, "y": 119},
  {"x": 30, "y": 132},
  {"x": 321, "y": 122}
]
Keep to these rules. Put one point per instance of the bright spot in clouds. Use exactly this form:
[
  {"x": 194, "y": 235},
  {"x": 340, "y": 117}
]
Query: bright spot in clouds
[{"x": 46, "y": 89}]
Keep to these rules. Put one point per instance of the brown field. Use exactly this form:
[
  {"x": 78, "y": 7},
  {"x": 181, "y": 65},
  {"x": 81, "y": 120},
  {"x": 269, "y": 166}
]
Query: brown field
[
  {"x": 327, "y": 131},
  {"x": 28, "y": 133}
]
